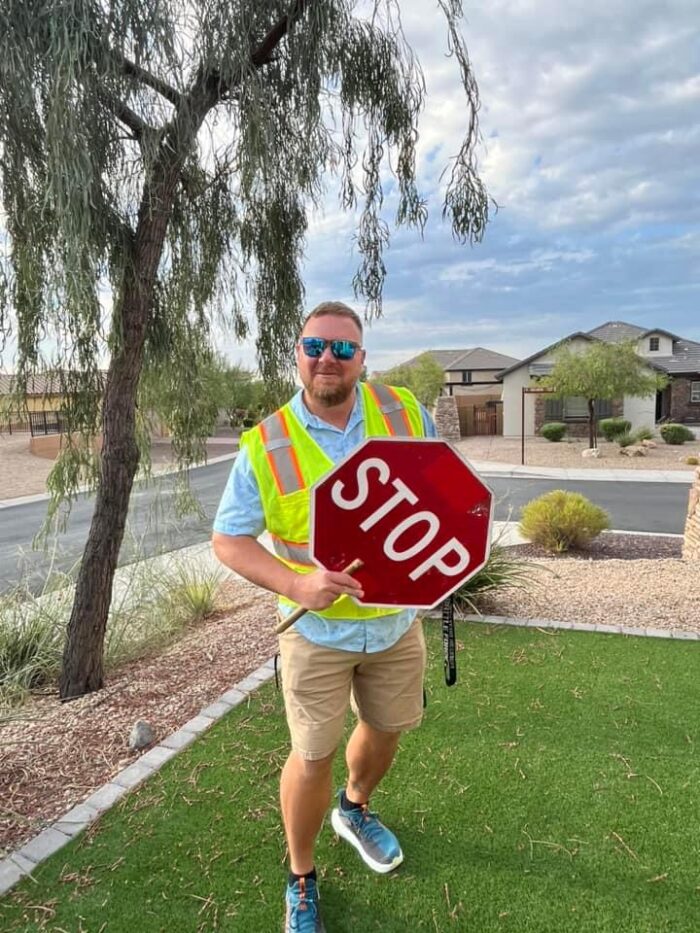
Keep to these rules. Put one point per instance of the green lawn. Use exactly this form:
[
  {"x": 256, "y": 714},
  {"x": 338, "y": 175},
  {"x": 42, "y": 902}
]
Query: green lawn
[{"x": 555, "y": 788}]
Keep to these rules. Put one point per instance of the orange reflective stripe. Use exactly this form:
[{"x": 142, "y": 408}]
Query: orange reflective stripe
[
  {"x": 271, "y": 460},
  {"x": 378, "y": 401},
  {"x": 403, "y": 413},
  {"x": 292, "y": 451}
]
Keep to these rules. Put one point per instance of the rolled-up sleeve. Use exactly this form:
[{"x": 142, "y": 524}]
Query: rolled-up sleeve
[{"x": 240, "y": 511}]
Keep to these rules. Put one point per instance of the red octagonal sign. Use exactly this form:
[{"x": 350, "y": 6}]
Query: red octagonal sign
[{"x": 413, "y": 511}]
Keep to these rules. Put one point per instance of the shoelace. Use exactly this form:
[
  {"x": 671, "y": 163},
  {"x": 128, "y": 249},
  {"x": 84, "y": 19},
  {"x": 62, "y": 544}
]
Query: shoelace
[
  {"x": 369, "y": 823},
  {"x": 307, "y": 901}
]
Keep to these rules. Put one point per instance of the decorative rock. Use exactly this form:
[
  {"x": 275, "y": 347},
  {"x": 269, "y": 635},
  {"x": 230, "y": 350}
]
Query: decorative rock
[
  {"x": 649, "y": 444},
  {"x": 593, "y": 452},
  {"x": 633, "y": 451},
  {"x": 141, "y": 735}
]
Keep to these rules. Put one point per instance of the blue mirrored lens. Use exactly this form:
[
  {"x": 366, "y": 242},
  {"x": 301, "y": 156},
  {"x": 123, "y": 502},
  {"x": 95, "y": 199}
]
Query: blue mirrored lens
[{"x": 341, "y": 349}]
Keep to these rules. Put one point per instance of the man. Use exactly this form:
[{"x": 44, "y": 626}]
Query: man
[{"x": 339, "y": 646}]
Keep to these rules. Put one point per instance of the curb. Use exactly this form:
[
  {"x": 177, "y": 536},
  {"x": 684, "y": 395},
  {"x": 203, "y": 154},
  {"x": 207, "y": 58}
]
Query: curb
[{"x": 23, "y": 861}]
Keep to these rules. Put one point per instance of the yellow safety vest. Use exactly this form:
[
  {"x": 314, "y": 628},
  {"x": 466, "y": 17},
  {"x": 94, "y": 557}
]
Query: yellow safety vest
[{"x": 287, "y": 461}]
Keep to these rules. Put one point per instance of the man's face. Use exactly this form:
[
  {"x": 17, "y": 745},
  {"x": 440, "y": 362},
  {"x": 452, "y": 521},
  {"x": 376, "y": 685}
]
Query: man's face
[{"x": 327, "y": 380}]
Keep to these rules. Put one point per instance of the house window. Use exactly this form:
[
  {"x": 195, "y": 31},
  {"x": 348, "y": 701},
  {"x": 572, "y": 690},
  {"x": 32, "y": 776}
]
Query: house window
[
  {"x": 695, "y": 391},
  {"x": 466, "y": 375},
  {"x": 653, "y": 343},
  {"x": 575, "y": 409}
]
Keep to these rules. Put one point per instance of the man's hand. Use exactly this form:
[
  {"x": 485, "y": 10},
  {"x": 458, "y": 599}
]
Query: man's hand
[{"x": 320, "y": 588}]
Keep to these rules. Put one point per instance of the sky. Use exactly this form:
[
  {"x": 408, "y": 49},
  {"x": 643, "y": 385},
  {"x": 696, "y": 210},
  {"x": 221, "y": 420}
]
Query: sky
[
  {"x": 591, "y": 139},
  {"x": 590, "y": 123}
]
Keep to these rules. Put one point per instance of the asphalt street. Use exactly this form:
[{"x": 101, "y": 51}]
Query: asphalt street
[{"x": 154, "y": 527}]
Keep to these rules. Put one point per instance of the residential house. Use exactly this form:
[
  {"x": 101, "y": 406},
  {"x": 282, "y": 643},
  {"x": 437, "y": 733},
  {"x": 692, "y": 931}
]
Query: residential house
[
  {"x": 668, "y": 353},
  {"x": 472, "y": 371}
]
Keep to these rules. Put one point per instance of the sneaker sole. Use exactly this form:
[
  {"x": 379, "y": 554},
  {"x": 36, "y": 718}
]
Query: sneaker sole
[{"x": 346, "y": 834}]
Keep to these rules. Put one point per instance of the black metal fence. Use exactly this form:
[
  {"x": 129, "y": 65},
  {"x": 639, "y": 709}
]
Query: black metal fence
[{"x": 45, "y": 422}]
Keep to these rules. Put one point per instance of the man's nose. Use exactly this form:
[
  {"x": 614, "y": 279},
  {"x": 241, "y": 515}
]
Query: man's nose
[{"x": 327, "y": 353}]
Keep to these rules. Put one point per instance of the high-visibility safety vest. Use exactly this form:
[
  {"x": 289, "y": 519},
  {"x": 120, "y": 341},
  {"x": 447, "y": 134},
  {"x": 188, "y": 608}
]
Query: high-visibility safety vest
[{"x": 287, "y": 461}]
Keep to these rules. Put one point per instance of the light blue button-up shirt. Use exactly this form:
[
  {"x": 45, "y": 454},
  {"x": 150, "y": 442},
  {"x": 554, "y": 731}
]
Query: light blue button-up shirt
[{"x": 241, "y": 512}]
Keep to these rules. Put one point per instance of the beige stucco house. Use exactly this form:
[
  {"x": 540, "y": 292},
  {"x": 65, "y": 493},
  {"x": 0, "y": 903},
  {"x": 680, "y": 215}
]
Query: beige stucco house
[{"x": 675, "y": 356}]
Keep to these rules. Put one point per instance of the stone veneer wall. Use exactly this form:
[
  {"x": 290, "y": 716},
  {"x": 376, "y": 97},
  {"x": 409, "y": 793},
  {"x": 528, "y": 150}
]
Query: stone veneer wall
[
  {"x": 691, "y": 541},
  {"x": 682, "y": 409},
  {"x": 447, "y": 418}
]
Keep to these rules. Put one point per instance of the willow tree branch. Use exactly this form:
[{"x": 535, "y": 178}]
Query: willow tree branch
[{"x": 158, "y": 84}]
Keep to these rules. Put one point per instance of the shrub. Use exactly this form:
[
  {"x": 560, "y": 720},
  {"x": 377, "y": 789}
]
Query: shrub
[
  {"x": 626, "y": 440},
  {"x": 676, "y": 433},
  {"x": 644, "y": 433},
  {"x": 560, "y": 520},
  {"x": 612, "y": 428},
  {"x": 553, "y": 430},
  {"x": 502, "y": 569},
  {"x": 692, "y": 460}
]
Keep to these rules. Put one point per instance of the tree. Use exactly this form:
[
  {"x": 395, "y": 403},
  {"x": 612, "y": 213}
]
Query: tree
[
  {"x": 425, "y": 378},
  {"x": 601, "y": 371},
  {"x": 159, "y": 160}
]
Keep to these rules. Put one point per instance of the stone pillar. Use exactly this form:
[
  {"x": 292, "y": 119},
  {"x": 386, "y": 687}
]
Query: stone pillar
[
  {"x": 691, "y": 540},
  {"x": 447, "y": 418}
]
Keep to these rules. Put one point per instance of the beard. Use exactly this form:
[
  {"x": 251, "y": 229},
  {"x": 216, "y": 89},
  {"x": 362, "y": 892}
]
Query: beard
[{"x": 328, "y": 395}]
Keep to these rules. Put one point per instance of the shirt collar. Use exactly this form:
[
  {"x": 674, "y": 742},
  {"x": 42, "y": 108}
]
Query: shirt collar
[{"x": 309, "y": 420}]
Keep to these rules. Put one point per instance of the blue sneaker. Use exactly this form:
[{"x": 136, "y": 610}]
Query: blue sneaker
[
  {"x": 378, "y": 846},
  {"x": 303, "y": 915}
]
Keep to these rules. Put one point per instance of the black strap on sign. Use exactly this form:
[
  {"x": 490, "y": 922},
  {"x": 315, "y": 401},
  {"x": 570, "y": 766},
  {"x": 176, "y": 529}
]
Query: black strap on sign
[{"x": 448, "y": 641}]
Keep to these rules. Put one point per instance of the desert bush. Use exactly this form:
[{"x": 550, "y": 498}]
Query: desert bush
[
  {"x": 553, "y": 430},
  {"x": 31, "y": 643},
  {"x": 612, "y": 428},
  {"x": 692, "y": 460},
  {"x": 626, "y": 440},
  {"x": 676, "y": 433},
  {"x": 644, "y": 433},
  {"x": 560, "y": 520},
  {"x": 502, "y": 569}
]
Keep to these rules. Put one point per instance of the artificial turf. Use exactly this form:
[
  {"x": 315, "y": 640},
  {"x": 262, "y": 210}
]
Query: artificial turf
[{"x": 555, "y": 788}]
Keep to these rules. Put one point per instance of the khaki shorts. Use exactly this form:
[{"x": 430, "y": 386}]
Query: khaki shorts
[{"x": 385, "y": 689}]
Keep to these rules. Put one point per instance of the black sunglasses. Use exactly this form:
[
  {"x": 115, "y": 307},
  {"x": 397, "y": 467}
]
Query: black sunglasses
[{"x": 341, "y": 349}]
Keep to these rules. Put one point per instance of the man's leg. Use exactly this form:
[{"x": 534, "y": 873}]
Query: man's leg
[
  {"x": 369, "y": 755},
  {"x": 305, "y": 793}
]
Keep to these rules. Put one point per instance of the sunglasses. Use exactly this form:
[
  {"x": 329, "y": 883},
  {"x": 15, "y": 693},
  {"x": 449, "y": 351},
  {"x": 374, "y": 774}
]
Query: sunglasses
[{"x": 341, "y": 349}]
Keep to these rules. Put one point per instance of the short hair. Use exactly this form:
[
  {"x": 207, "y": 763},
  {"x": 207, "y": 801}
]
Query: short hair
[{"x": 334, "y": 309}]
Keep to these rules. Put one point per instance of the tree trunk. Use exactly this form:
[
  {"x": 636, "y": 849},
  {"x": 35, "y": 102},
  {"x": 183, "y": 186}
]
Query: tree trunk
[
  {"x": 592, "y": 433},
  {"x": 83, "y": 656}
]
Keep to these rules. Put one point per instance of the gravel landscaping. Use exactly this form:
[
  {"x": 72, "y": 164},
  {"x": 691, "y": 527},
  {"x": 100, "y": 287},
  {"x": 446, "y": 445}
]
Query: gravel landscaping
[{"x": 567, "y": 454}]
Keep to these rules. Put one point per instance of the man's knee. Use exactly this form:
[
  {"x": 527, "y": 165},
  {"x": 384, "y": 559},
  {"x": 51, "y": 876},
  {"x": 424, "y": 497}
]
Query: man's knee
[{"x": 310, "y": 768}]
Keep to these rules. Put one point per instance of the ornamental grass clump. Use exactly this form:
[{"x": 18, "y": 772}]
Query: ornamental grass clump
[
  {"x": 502, "y": 569},
  {"x": 676, "y": 434},
  {"x": 559, "y": 521},
  {"x": 612, "y": 428}
]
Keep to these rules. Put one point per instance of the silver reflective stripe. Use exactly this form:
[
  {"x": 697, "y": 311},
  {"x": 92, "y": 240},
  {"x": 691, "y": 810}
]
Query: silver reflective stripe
[
  {"x": 392, "y": 408},
  {"x": 279, "y": 449},
  {"x": 298, "y": 553}
]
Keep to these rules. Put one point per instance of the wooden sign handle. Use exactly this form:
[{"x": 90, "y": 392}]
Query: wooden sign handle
[{"x": 282, "y": 626}]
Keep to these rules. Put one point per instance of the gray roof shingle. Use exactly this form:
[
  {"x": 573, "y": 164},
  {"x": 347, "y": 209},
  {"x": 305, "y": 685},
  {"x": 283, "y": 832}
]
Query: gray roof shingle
[{"x": 469, "y": 358}]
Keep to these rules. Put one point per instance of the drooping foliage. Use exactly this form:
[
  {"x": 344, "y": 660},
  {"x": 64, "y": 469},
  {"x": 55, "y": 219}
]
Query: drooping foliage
[
  {"x": 159, "y": 159},
  {"x": 90, "y": 96}
]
